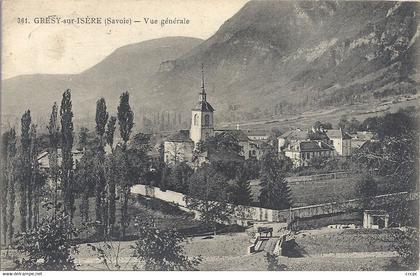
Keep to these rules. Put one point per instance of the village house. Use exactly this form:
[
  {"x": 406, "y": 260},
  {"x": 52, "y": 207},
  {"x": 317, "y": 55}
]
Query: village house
[
  {"x": 341, "y": 141},
  {"x": 360, "y": 138},
  {"x": 292, "y": 136},
  {"x": 256, "y": 135},
  {"x": 44, "y": 161},
  {"x": 302, "y": 152}
]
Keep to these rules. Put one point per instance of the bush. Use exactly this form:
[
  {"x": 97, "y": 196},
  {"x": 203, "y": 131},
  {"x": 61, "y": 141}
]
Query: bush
[
  {"x": 48, "y": 246},
  {"x": 161, "y": 249}
]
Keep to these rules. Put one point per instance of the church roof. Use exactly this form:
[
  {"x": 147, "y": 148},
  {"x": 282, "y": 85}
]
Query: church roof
[
  {"x": 181, "y": 136},
  {"x": 203, "y": 106}
]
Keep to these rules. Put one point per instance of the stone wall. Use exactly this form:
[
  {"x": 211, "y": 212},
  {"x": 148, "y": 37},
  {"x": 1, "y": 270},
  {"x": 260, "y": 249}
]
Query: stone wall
[
  {"x": 317, "y": 177},
  {"x": 268, "y": 215}
]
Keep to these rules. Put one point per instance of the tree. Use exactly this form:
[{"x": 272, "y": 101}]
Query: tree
[
  {"x": 83, "y": 138},
  {"x": 110, "y": 170},
  {"x": 275, "y": 193},
  {"x": 25, "y": 167},
  {"x": 239, "y": 192},
  {"x": 125, "y": 117},
  {"x": 101, "y": 117},
  {"x": 33, "y": 167},
  {"x": 160, "y": 249},
  {"x": 394, "y": 155},
  {"x": 110, "y": 130},
  {"x": 100, "y": 196},
  {"x": 251, "y": 168},
  {"x": 85, "y": 177},
  {"x": 51, "y": 253},
  {"x": 8, "y": 183},
  {"x": 11, "y": 180},
  {"x": 125, "y": 121},
  {"x": 4, "y": 183},
  {"x": 54, "y": 140},
  {"x": 179, "y": 177},
  {"x": 226, "y": 141},
  {"x": 209, "y": 197},
  {"x": 343, "y": 122},
  {"x": 406, "y": 243},
  {"x": 66, "y": 115},
  {"x": 366, "y": 187}
]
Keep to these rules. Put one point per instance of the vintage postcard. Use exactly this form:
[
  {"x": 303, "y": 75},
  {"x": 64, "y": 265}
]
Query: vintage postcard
[{"x": 209, "y": 136}]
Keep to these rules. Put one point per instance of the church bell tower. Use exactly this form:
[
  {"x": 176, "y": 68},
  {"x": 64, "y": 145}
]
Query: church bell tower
[{"x": 201, "y": 116}]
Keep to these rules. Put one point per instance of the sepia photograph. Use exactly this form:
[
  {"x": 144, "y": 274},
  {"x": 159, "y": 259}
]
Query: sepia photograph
[{"x": 224, "y": 135}]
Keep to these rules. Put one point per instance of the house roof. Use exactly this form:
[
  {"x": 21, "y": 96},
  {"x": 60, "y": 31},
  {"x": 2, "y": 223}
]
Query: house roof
[
  {"x": 295, "y": 134},
  {"x": 203, "y": 106},
  {"x": 76, "y": 153},
  {"x": 337, "y": 133},
  {"x": 255, "y": 132},
  {"x": 305, "y": 146},
  {"x": 181, "y": 136},
  {"x": 314, "y": 146}
]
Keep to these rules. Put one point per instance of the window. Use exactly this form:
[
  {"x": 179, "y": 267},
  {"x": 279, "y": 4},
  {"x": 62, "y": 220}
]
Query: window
[
  {"x": 207, "y": 120},
  {"x": 196, "y": 119}
]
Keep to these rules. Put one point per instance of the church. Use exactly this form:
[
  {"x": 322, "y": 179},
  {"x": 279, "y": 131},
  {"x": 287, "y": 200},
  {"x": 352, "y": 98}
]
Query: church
[{"x": 180, "y": 146}]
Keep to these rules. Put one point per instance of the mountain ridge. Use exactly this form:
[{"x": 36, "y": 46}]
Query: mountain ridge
[{"x": 278, "y": 57}]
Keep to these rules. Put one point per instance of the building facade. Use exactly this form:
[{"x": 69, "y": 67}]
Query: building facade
[
  {"x": 302, "y": 152},
  {"x": 341, "y": 141}
]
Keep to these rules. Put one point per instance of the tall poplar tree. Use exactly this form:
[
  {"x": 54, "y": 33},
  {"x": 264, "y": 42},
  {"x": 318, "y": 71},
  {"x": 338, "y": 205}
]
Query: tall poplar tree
[
  {"x": 125, "y": 121},
  {"x": 4, "y": 184},
  {"x": 11, "y": 180},
  {"x": 54, "y": 139},
  {"x": 25, "y": 167},
  {"x": 66, "y": 116},
  {"x": 101, "y": 119},
  {"x": 32, "y": 174},
  {"x": 110, "y": 165},
  {"x": 8, "y": 152}
]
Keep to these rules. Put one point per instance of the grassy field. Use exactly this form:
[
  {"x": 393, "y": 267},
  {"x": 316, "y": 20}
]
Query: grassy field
[
  {"x": 323, "y": 191},
  {"x": 307, "y": 119},
  {"x": 166, "y": 215},
  {"x": 324, "y": 249}
]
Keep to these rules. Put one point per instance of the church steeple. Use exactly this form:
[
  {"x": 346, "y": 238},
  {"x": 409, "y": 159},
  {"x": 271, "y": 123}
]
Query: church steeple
[
  {"x": 201, "y": 116},
  {"x": 202, "y": 95}
]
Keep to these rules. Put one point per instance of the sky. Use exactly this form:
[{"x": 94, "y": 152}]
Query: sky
[{"x": 72, "y": 48}]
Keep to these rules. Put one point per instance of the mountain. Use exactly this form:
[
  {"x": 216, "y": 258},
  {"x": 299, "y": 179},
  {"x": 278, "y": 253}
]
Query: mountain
[
  {"x": 126, "y": 69},
  {"x": 277, "y": 57},
  {"x": 270, "y": 58}
]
